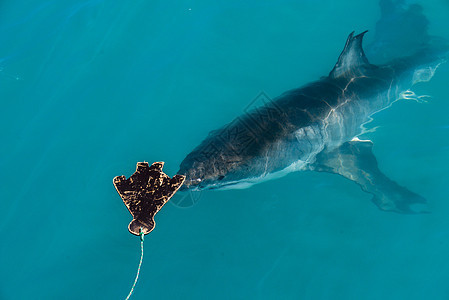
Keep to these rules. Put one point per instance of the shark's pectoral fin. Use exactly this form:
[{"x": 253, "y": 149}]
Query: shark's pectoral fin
[{"x": 355, "y": 160}]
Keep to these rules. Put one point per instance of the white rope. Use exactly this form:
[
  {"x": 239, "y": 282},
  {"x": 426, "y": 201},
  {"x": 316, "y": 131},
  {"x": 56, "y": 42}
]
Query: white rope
[{"x": 140, "y": 264}]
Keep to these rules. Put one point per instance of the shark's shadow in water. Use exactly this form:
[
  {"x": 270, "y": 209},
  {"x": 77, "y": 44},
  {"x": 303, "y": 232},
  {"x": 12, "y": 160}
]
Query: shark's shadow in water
[
  {"x": 314, "y": 127},
  {"x": 400, "y": 31}
]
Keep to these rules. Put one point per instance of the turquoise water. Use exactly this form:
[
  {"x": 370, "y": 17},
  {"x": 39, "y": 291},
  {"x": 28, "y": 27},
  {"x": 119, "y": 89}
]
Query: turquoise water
[{"x": 90, "y": 88}]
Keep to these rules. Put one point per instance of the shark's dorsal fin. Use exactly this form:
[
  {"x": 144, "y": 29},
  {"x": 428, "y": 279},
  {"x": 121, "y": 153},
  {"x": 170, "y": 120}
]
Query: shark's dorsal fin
[{"x": 351, "y": 57}]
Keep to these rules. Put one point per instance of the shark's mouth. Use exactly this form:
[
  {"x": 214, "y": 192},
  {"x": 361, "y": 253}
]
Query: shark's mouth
[
  {"x": 236, "y": 184},
  {"x": 248, "y": 182}
]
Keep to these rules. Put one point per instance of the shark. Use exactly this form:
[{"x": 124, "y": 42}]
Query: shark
[{"x": 316, "y": 127}]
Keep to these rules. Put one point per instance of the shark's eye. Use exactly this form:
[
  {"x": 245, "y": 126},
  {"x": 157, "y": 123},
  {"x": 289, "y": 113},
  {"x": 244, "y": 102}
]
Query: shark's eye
[{"x": 220, "y": 177}]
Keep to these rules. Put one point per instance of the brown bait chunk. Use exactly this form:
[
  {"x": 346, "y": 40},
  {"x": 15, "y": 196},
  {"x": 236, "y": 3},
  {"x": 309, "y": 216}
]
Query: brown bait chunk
[{"x": 145, "y": 192}]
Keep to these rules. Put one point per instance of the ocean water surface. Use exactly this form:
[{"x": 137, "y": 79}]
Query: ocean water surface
[{"x": 89, "y": 88}]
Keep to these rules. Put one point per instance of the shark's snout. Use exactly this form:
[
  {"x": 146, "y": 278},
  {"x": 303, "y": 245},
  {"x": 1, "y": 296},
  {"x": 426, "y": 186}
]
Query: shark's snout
[
  {"x": 200, "y": 174},
  {"x": 194, "y": 175},
  {"x": 191, "y": 184}
]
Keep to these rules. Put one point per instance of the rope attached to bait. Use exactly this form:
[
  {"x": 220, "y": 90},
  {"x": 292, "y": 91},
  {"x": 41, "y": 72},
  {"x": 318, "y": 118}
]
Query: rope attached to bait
[{"x": 140, "y": 264}]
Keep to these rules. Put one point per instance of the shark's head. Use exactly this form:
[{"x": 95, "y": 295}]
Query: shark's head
[{"x": 204, "y": 172}]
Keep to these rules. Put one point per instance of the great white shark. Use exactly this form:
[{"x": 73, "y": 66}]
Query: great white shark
[{"x": 316, "y": 127}]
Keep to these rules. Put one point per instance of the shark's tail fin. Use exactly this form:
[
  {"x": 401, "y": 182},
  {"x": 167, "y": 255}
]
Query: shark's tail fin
[{"x": 402, "y": 30}]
